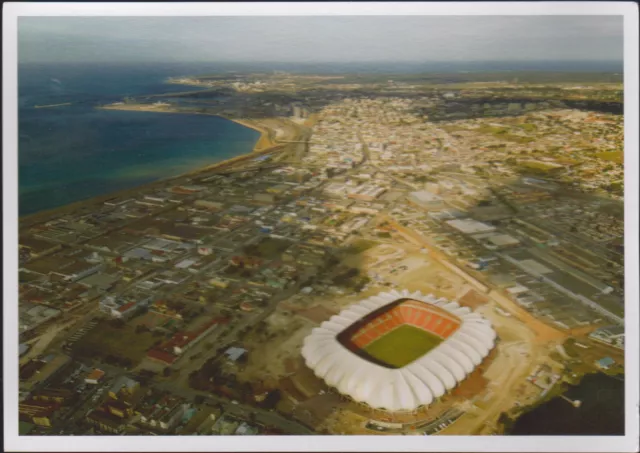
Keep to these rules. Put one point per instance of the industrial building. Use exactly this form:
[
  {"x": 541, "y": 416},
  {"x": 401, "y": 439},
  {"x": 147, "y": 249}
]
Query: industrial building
[
  {"x": 426, "y": 200},
  {"x": 470, "y": 226}
]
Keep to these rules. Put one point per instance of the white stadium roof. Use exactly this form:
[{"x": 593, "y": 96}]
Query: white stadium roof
[{"x": 409, "y": 387}]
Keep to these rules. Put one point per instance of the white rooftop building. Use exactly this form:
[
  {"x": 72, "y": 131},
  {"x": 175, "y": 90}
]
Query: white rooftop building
[{"x": 470, "y": 226}]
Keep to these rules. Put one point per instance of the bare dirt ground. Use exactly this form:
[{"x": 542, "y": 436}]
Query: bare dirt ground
[
  {"x": 282, "y": 340},
  {"x": 524, "y": 343},
  {"x": 404, "y": 266},
  {"x": 544, "y": 332},
  {"x": 523, "y": 346}
]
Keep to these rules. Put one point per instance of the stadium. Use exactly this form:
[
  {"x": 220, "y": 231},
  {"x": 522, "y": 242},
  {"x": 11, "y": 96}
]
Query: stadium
[{"x": 398, "y": 351}]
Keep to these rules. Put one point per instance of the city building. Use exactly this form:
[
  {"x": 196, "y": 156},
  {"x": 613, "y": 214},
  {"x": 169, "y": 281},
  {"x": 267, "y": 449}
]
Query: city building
[
  {"x": 613, "y": 336},
  {"x": 94, "y": 377},
  {"x": 470, "y": 226},
  {"x": 39, "y": 413},
  {"x": 122, "y": 307},
  {"x": 39, "y": 371},
  {"x": 171, "y": 350},
  {"x": 426, "y": 199},
  {"x": 123, "y": 386},
  {"x": 163, "y": 413},
  {"x": 605, "y": 363}
]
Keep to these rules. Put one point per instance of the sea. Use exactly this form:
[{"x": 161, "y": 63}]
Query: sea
[
  {"x": 74, "y": 152},
  {"x": 601, "y": 412}
]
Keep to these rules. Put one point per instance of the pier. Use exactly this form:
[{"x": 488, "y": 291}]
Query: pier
[{"x": 574, "y": 403}]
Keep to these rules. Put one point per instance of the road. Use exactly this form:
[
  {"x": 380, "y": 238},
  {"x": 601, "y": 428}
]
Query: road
[
  {"x": 242, "y": 410},
  {"x": 186, "y": 366},
  {"x": 367, "y": 158},
  {"x": 450, "y": 416},
  {"x": 512, "y": 373},
  {"x": 518, "y": 370},
  {"x": 544, "y": 331},
  {"x": 515, "y": 368},
  {"x": 578, "y": 297},
  {"x": 43, "y": 342},
  {"x": 590, "y": 245}
]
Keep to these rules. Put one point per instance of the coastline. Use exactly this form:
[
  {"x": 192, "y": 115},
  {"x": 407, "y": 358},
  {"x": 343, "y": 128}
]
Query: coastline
[
  {"x": 571, "y": 418},
  {"x": 269, "y": 128},
  {"x": 265, "y": 140}
]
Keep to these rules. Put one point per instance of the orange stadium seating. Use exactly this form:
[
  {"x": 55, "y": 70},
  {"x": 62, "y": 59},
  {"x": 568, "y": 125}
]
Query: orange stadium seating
[{"x": 425, "y": 317}]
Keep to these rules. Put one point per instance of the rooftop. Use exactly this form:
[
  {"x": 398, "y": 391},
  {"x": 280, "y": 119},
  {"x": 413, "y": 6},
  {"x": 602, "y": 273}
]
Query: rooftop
[
  {"x": 95, "y": 374},
  {"x": 470, "y": 226}
]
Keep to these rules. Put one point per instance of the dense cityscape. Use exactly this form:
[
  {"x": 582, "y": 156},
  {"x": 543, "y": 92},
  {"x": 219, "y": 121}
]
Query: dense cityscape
[
  {"x": 236, "y": 226},
  {"x": 190, "y": 305}
]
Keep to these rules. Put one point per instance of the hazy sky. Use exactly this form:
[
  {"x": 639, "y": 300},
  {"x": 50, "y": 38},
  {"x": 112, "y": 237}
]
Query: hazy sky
[{"x": 320, "y": 39}]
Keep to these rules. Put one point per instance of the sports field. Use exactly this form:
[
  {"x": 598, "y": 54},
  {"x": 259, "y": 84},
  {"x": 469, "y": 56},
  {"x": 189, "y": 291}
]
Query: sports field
[{"x": 402, "y": 346}]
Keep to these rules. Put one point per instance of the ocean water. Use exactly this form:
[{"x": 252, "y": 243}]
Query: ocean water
[
  {"x": 70, "y": 153},
  {"x": 75, "y": 152},
  {"x": 601, "y": 412}
]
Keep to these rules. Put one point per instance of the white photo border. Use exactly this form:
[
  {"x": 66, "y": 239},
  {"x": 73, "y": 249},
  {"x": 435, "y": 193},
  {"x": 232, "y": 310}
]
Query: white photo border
[{"x": 13, "y": 442}]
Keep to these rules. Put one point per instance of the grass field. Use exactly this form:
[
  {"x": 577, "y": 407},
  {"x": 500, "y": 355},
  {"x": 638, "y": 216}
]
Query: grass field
[
  {"x": 613, "y": 156},
  {"x": 540, "y": 166},
  {"x": 528, "y": 127},
  {"x": 402, "y": 346},
  {"x": 268, "y": 248},
  {"x": 105, "y": 339},
  {"x": 360, "y": 246}
]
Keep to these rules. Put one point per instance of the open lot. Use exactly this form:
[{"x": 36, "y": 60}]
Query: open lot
[
  {"x": 360, "y": 245},
  {"x": 613, "y": 156},
  {"x": 122, "y": 343},
  {"x": 268, "y": 248}
]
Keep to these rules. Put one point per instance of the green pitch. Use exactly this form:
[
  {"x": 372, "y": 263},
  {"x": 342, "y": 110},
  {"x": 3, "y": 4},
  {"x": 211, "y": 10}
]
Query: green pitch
[{"x": 402, "y": 346}]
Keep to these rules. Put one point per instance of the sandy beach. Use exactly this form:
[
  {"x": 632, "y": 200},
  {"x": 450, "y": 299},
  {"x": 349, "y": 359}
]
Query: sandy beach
[{"x": 267, "y": 127}]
